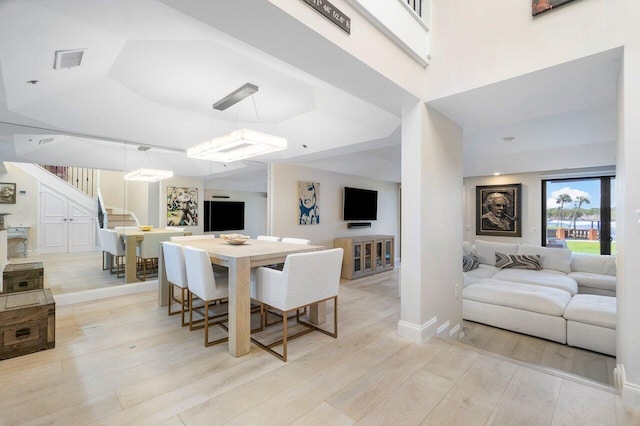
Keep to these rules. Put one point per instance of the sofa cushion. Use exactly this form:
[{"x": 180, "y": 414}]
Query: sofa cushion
[
  {"x": 593, "y": 263},
  {"x": 558, "y": 259},
  {"x": 599, "y": 281},
  {"x": 533, "y": 298},
  {"x": 480, "y": 273},
  {"x": 469, "y": 262},
  {"x": 543, "y": 278},
  {"x": 486, "y": 250},
  {"x": 592, "y": 309},
  {"x": 517, "y": 261}
]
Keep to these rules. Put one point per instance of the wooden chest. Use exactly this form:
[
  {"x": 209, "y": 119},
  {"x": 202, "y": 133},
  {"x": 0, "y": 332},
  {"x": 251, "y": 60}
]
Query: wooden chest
[
  {"x": 27, "y": 322},
  {"x": 22, "y": 277}
]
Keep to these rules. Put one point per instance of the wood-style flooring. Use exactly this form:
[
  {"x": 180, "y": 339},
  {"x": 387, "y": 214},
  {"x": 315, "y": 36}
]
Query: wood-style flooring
[
  {"x": 71, "y": 272},
  {"x": 123, "y": 361},
  {"x": 545, "y": 353}
]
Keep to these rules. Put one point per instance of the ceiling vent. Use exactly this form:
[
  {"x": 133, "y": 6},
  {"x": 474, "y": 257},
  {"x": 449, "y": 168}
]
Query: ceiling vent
[
  {"x": 235, "y": 97},
  {"x": 65, "y": 59}
]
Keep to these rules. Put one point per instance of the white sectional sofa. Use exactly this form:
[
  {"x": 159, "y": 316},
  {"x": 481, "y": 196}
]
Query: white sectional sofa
[{"x": 570, "y": 299}]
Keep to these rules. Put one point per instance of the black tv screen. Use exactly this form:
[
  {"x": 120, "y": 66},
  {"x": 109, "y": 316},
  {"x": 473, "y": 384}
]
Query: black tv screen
[
  {"x": 223, "y": 215},
  {"x": 360, "y": 204}
]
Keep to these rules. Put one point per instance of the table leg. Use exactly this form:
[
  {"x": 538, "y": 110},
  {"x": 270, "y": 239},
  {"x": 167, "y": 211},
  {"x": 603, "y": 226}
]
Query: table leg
[
  {"x": 163, "y": 283},
  {"x": 318, "y": 313},
  {"x": 239, "y": 306},
  {"x": 130, "y": 260}
]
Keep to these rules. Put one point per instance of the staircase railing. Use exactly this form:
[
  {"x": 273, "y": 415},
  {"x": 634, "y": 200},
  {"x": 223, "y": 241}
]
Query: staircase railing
[{"x": 82, "y": 178}]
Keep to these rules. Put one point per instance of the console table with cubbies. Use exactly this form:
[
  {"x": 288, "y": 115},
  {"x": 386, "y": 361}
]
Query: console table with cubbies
[{"x": 365, "y": 255}]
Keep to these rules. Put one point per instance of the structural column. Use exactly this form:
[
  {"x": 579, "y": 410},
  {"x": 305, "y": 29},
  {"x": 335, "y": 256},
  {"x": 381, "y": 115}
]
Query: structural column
[{"x": 432, "y": 211}]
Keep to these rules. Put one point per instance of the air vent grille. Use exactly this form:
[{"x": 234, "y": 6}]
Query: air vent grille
[{"x": 65, "y": 59}]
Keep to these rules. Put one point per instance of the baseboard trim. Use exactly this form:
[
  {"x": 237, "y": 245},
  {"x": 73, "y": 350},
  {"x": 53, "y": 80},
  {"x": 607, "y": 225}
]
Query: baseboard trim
[
  {"x": 443, "y": 328},
  {"x": 454, "y": 332},
  {"x": 417, "y": 333},
  {"x": 104, "y": 293}
]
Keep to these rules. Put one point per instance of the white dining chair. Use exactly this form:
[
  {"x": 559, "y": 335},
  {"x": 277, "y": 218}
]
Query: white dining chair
[
  {"x": 112, "y": 244},
  {"x": 307, "y": 278},
  {"x": 176, "y": 270},
  {"x": 267, "y": 238},
  {"x": 204, "y": 285},
  {"x": 295, "y": 240}
]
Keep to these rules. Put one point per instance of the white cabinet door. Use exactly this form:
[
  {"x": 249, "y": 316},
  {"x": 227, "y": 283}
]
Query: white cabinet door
[
  {"x": 53, "y": 222},
  {"x": 65, "y": 226}
]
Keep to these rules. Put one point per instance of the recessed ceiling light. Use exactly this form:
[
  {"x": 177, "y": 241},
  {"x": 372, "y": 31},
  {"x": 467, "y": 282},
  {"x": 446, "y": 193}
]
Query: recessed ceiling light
[
  {"x": 508, "y": 138},
  {"x": 496, "y": 174},
  {"x": 304, "y": 146},
  {"x": 32, "y": 81}
]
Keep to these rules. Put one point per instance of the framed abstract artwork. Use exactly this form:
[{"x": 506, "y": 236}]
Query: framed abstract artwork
[
  {"x": 182, "y": 206},
  {"x": 308, "y": 197},
  {"x": 498, "y": 210}
]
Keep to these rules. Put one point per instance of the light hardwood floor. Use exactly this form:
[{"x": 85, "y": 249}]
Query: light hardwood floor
[
  {"x": 71, "y": 272},
  {"x": 590, "y": 365},
  {"x": 124, "y": 361}
]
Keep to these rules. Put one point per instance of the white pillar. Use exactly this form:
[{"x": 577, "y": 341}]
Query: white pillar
[
  {"x": 432, "y": 212},
  {"x": 628, "y": 227}
]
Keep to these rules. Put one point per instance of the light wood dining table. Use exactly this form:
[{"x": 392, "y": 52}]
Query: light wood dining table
[
  {"x": 132, "y": 238},
  {"x": 240, "y": 259}
]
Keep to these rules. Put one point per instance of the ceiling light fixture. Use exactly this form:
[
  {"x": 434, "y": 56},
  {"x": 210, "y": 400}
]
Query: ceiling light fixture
[
  {"x": 508, "y": 138},
  {"x": 235, "y": 96},
  {"x": 237, "y": 145},
  {"x": 148, "y": 175},
  {"x": 496, "y": 174}
]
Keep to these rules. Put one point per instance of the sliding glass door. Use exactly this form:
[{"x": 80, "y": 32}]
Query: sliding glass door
[{"x": 580, "y": 214}]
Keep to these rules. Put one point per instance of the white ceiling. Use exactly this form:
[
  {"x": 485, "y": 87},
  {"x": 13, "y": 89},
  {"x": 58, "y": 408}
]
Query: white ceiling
[{"x": 153, "y": 69}]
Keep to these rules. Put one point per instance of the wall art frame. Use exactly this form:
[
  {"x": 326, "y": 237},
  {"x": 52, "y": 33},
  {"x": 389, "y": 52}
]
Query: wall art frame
[{"x": 499, "y": 210}]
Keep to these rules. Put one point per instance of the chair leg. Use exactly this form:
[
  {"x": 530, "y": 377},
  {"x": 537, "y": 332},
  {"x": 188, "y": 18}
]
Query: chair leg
[{"x": 284, "y": 336}]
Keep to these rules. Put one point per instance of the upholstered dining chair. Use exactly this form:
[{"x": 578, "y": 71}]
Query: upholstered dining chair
[
  {"x": 204, "y": 285},
  {"x": 306, "y": 278},
  {"x": 295, "y": 240},
  {"x": 267, "y": 238},
  {"x": 112, "y": 244},
  {"x": 177, "y": 276}
]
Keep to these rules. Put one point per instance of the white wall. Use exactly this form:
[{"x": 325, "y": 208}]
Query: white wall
[
  {"x": 255, "y": 209},
  {"x": 122, "y": 195},
  {"x": 284, "y": 201},
  {"x": 476, "y": 43},
  {"x": 25, "y": 212}
]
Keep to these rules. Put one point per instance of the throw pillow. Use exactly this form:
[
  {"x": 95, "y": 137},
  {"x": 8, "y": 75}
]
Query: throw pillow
[
  {"x": 469, "y": 262},
  {"x": 518, "y": 261}
]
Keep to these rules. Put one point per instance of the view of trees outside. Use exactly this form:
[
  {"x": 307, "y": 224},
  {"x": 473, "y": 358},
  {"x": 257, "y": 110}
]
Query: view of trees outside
[{"x": 573, "y": 215}]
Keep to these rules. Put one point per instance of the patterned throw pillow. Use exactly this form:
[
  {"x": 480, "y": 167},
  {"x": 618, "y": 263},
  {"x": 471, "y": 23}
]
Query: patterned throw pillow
[
  {"x": 518, "y": 261},
  {"x": 469, "y": 262}
]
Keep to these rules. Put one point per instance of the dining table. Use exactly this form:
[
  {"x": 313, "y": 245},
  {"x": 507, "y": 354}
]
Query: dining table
[
  {"x": 240, "y": 259},
  {"x": 133, "y": 237}
]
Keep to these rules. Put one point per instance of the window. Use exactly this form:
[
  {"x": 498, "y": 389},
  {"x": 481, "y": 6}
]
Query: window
[{"x": 579, "y": 214}]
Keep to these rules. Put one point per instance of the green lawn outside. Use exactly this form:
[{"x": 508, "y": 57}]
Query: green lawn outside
[{"x": 589, "y": 247}]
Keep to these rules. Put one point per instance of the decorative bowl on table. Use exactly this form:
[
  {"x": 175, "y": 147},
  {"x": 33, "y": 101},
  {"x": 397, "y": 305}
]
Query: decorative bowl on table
[
  {"x": 234, "y": 239},
  {"x": 145, "y": 227}
]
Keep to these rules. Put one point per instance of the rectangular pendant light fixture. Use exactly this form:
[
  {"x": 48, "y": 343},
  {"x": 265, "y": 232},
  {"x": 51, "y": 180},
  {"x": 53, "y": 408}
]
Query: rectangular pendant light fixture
[
  {"x": 237, "y": 145},
  {"x": 148, "y": 175}
]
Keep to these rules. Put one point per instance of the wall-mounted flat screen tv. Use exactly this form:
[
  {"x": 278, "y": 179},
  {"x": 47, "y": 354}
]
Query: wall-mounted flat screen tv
[
  {"x": 360, "y": 204},
  {"x": 223, "y": 216}
]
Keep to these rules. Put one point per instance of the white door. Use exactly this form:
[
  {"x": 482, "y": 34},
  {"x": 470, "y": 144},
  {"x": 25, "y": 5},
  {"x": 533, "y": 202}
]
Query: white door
[{"x": 65, "y": 226}]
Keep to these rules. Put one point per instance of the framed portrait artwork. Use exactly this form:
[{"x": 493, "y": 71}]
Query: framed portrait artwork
[
  {"x": 308, "y": 197},
  {"x": 182, "y": 206},
  {"x": 7, "y": 193},
  {"x": 541, "y": 6},
  {"x": 498, "y": 210}
]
